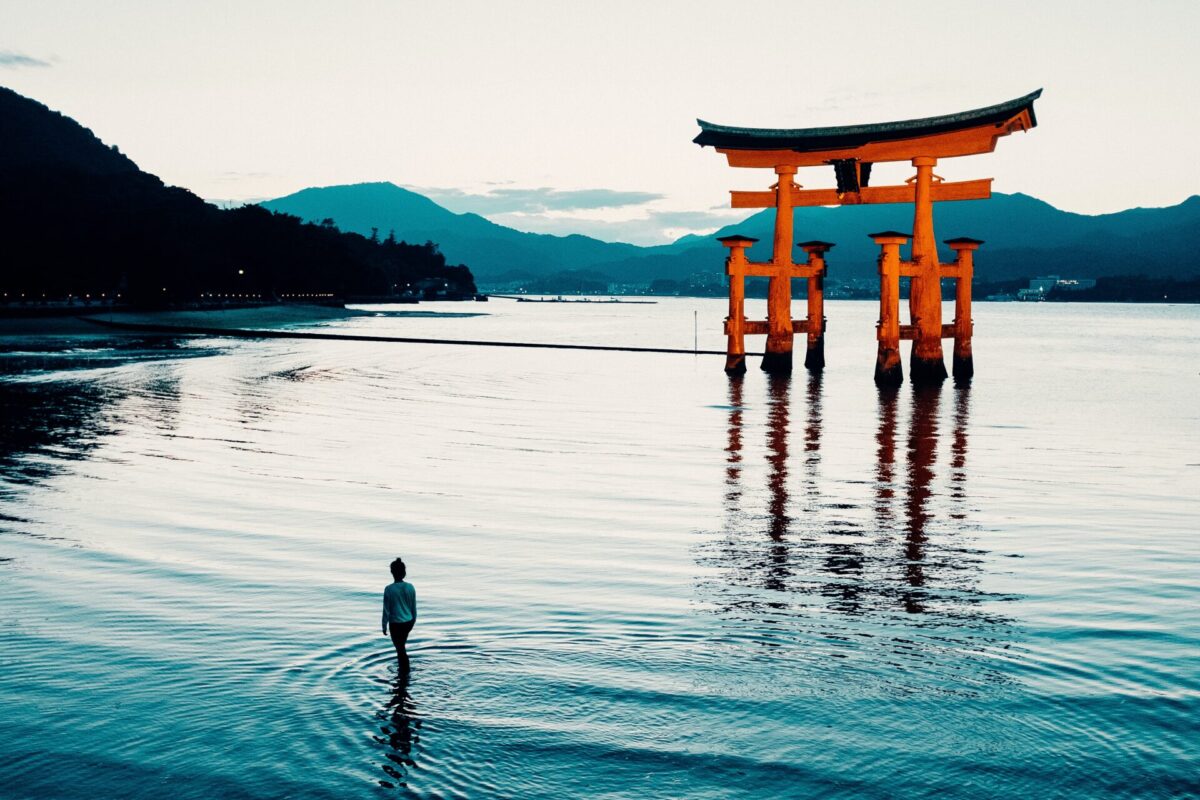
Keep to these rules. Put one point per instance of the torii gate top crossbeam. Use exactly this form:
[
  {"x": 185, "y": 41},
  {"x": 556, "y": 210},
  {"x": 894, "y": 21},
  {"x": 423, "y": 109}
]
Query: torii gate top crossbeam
[{"x": 962, "y": 134}]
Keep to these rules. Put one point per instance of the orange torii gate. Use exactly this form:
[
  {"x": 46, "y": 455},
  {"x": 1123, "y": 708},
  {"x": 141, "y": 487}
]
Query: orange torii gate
[{"x": 852, "y": 150}]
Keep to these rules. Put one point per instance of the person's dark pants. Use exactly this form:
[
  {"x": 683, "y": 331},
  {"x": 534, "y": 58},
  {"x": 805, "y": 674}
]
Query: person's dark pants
[{"x": 400, "y": 632}]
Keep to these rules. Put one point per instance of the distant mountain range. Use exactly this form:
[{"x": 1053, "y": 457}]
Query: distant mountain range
[
  {"x": 1024, "y": 237},
  {"x": 490, "y": 250}
]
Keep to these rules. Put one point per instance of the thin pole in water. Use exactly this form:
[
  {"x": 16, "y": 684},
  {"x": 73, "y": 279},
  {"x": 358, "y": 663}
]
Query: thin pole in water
[{"x": 695, "y": 332}]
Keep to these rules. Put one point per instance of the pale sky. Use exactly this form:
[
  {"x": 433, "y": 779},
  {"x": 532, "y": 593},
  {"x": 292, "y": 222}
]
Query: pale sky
[{"x": 578, "y": 117}]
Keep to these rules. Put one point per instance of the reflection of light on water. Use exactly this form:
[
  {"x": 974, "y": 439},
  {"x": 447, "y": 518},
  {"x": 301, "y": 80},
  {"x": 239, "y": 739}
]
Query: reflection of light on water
[
  {"x": 779, "y": 523},
  {"x": 733, "y": 470},
  {"x": 922, "y": 446},
  {"x": 958, "y": 449},
  {"x": 818, "y": 545},
  {"x": 869, "y": 579}
]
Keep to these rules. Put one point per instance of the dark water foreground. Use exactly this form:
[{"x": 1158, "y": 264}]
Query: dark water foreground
[{"x": 637, "y": 578}]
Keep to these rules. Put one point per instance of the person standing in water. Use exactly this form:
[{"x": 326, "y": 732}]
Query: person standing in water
[{"x": 399, "y": 611}]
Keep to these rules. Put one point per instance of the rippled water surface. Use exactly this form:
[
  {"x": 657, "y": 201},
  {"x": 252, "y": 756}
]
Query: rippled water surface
[{"x": 637, "y": 579}]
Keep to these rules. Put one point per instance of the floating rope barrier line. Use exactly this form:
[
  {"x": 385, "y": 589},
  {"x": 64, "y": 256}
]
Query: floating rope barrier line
[{"x": 245, "y": 333}]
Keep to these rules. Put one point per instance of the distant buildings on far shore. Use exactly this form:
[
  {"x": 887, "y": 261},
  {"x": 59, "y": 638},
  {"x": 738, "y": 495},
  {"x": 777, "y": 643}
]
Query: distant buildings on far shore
[
  {"x": 712, "y": 284},
  {"x": 1039, "y": 288}
]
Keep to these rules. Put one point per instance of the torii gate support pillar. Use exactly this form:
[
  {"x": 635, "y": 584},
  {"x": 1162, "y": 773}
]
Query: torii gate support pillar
[
  {"x": 888, "y": 369},
  {"x": 735, "y": 322},
  {"x": 963, "y": 271},
  {"x": 814, "y": 356}
]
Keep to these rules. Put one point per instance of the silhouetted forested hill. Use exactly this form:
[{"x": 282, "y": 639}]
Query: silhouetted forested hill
[
  {"x": 78, "y": 217},
  {"x": 35, "y": 137}
]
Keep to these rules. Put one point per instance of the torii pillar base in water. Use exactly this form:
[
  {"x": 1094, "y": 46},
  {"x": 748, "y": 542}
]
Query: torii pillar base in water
[
  {"x": 814, "y": 358},
  {"x": 964, "y": 368},
  {"x": 927, "y": 371},
  {"x": 889, "y": 371},
  {"x": 779, "y": 363}
]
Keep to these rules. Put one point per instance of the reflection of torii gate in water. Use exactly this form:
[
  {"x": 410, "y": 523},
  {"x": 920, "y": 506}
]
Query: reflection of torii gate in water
[{"x": 852, "y": 150}]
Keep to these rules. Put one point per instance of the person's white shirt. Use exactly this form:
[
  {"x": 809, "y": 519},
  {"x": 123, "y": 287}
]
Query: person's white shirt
[{"x": 399, "y": 603}]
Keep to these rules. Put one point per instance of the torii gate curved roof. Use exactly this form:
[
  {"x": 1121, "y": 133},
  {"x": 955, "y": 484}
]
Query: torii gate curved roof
[{"x": 964, "y": 133}]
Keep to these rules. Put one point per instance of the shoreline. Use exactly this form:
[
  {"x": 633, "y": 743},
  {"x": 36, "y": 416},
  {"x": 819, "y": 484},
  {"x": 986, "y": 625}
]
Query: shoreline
[
  {"x": 274, "y": 316},
  {"x": 267, "y": 333}
]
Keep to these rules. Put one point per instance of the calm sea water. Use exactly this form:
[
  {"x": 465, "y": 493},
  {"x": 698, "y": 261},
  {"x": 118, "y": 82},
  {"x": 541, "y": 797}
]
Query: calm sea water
[{"x": 637, "y": 579}]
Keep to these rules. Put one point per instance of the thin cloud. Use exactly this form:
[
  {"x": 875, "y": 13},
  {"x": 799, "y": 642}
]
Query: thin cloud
[
  {"x": 234, "y": 175},
  {"x": 609, "y": 214},
  {"x": 836, "y": 101},
  {"x": 535, "y": 201},
  {"x": 654, "y": 227},
  {"x": 10, "y": 59},
  {"x": 695, "y": 220}
]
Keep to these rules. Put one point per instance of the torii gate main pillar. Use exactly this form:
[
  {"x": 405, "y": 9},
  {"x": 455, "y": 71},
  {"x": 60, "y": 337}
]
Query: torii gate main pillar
[
  {"x": 925, "y": 293},
  {"x": 777, "y": 359}
]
